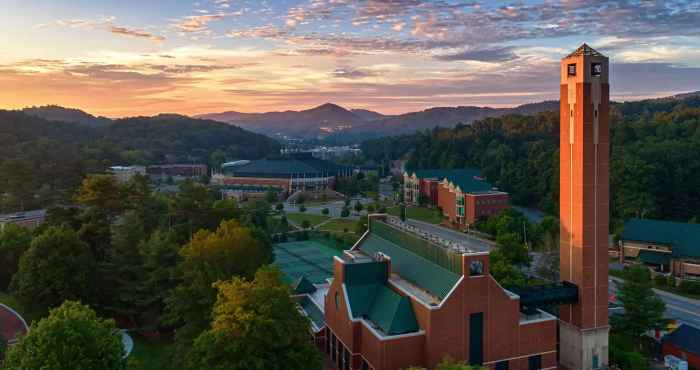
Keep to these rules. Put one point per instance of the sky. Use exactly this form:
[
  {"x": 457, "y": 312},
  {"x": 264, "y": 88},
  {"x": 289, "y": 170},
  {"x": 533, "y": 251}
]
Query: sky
[{"x": 142, "y": 57}]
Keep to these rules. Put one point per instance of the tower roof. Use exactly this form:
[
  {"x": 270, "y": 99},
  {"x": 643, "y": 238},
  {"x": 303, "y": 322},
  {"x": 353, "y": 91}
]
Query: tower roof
[{"x": 585, "y": 50}]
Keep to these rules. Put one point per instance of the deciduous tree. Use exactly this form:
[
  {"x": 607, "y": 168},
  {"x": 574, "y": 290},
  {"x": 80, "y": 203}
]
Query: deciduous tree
[{"x": 71, "y": 338}]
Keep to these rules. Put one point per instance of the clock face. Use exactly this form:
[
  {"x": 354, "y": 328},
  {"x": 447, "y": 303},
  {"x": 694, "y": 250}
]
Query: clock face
[
  {"x": 476, "y": 268},
  {"x": 572, "y": 69},
  {"x": 596, "y": 69}
]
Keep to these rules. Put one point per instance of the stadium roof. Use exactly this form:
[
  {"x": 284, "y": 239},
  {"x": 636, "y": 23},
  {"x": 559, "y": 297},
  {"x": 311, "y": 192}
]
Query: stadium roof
[
  {"x": 683, "y": 238},
  {"x": 286, "y": 168},
  {"x": 469, "y": 180}
]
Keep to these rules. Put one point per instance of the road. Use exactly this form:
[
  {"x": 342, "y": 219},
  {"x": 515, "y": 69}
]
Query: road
[
  {"x": 685, "y": 310},
  {"x": 445, "y": 233}
]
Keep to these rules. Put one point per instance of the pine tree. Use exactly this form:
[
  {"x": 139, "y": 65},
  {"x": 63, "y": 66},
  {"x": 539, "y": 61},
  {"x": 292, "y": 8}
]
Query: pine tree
[{"x": 643, "y": 308}]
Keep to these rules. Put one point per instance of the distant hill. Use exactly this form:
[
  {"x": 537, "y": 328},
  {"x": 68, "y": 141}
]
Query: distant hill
[
  {"x": 331, "y": 121},
  {"x": 57, "y": 113}
]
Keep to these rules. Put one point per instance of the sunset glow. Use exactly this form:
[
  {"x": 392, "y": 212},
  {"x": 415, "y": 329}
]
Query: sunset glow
[{"x": 124, "y": 58}]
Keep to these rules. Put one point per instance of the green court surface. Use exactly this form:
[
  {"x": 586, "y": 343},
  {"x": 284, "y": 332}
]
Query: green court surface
[{"x": 305, "y": 258}]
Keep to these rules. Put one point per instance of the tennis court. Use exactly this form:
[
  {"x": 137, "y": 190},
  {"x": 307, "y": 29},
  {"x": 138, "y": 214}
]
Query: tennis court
[{"x": 305, "y": 258}]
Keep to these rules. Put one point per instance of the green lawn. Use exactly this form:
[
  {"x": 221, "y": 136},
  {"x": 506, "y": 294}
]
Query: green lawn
[
  {"x": 314, "y": 220},
  {"x": 338, "y": 224},
  {"x": 150, "y": 353},
  {"x": 419, "y": 213}
]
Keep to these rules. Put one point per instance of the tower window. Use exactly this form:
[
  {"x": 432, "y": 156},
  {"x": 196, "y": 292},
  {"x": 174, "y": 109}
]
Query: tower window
[
  {"x": 596, "y": 69},
  {"x": 571, "y": 68}
]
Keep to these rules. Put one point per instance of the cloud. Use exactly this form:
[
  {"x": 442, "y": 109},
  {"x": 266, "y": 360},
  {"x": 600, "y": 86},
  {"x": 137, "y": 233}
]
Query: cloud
[
  {"x": 105, "y": 24},
  {"x": 135, "y": 33},
  {"x": 198, "y": 23},
  {"x": 481, "y": 55},
  {"x": 350, "y": 73}
]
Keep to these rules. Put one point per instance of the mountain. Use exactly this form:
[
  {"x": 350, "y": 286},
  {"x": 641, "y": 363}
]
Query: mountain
[
  {"x": 368, "y": 115},
  {"x": 311, "y": 123},
  {"x": 330, "y": 121},
  {"x": 57, "y": 113}
]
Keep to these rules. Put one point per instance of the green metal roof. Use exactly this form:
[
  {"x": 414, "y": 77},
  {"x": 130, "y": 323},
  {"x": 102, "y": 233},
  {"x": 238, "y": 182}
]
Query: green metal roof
[
  {"x": 656, "y": 258},
  {"x": 286, "y": 167},
  {"x": 369, "y": 297},
  {"x": 303, "y": 286},
  {"x": 469, "y": 180},
  {"x": 313, "y": 311},
  {"x": 412, "y": 267},
  {"x": 683, "y": 238}
]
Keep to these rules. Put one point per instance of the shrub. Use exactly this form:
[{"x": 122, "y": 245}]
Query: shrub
[
  {"x": 302, "y": 208},
  {"x": 690, "y": 287},
  {"x": 660, "y": 280},
  {"x": 325, "y": 211}
]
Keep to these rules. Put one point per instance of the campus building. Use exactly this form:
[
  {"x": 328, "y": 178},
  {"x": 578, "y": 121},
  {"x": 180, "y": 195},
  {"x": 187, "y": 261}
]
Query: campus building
[
  {"x": 296, "y": 172},
  {"x": 463, "y": 195},
  {"x": 28, "y": 219},
  {"x": 176, "y": 172},
  {"x": 124, "y": 173},
  {"x": 666, "y": 246},
  {"x": 403, "y": 297}
]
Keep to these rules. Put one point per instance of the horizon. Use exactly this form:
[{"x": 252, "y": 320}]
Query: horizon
[{"x": 391, "y": 57}]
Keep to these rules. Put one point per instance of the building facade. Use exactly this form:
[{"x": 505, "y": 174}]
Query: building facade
[
  {"x": 28, "y": 219},
  {"x": 390, "y": 306},
  {"x": 125, "y": 173},
  {"x": 584, "y": 207},
  {"x": 185, "y": 171},
  {"x": 297, "y": 172},
  {"x": 463, "y": 195},
  {"x": 665, "y": 246}
]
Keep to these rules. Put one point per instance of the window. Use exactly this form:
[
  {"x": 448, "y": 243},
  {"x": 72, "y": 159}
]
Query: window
[
  {"x": 571, "y": 68},
  {"x": 503, "y": 365},
  {"x": 596, "y": 69},
  {"x": 534, "y": 362},
  {"x": 476, "y": 268}
]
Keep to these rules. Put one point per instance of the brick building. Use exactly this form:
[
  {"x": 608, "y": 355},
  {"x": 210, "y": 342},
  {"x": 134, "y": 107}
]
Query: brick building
[
  {"x": 296, "y": 172},
  {"x": 666, "y": 246},
  {"x": 402, "y": 297},
  {"x": 463, "y": 195}
]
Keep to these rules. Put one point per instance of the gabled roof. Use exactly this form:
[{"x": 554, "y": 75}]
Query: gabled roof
[
  {"x": 585, "y": 50},
  {"x": 469, "y": 180},
  {"x": 683, "y": 238},
  {"x": 686, "y": 338},
  {"x": 370, "y": 298},
  {"x": 303, "y": 286},
  {"x": 429, "y": 267}
]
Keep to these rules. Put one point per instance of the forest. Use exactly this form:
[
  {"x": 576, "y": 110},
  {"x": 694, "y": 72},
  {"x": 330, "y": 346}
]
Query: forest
[
  {"x": 42, "y": 162},
  {"x": 655, "y": 157}
]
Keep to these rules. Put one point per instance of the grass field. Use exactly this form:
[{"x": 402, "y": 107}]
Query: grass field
[
  {"x": 419, "y": 213},
  {"x": 150, "y": 353},
  {"x": 298, "y": 218},
  {"x": 339, "y": 225}
]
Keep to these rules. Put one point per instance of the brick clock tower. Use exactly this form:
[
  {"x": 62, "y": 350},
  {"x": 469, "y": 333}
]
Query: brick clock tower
[{"x": 583, "y": 206}]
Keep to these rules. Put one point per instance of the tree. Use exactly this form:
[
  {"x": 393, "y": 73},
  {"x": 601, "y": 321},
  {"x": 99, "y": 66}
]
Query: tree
[
  {"x": 504, "y": 271},
  {"x": 159, "y": 254},
  {"x": 305, "y": 224},
  {"x": 256, "y": 326},
  {"x": 72, "y": 337},
  {"x": 449, "y": 364},
  {"x": 279, "y": 207},
  {"x": 14, "y": 241},
  {"x": 358, "y": 206},
  {"x": 345, "y": 212},
  {"x": 402, "y": 212},
  {"x": 101, "y": 192},
  {"x": 231, "y": 251},
  {"x": 325, "y": 211},
  {"x": 271, "y": 196},
  {"x": 57, "y": 266},
  {"x": 361, "y": 226},
  {"x": 513, "y": 249},
  {"x": 643, "y": 308},
  {"x": 302, "y": 208}
]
